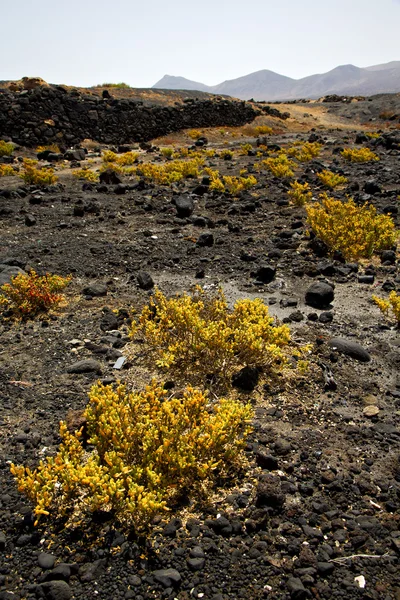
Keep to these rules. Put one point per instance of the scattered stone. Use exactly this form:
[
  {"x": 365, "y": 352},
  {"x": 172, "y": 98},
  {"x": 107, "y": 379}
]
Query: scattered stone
[
  {"x": 371, "y": 411},
  {"x": 88, "y": 365},
  {"x": 265, "y": 273},
  {"x": 297, "y": 589},
  {"x": 205, "y": 239},
  {"x": 95, "y": 290},
  {"x": 319, "y": 295},
  {"x": 270, "y": 494},
  {"x": 109, "y": 177},
  {"x": 349, "y": 348},
  {"x": 167, "y": 577},
  {"x": 246, "y": 379},
  {"x": 30, "y": 220},
  {"x": 145, "y": 280},
  {"x": 184, "y": 206},
  {"x": 46, "y": 561},
  {"x": 7, "y": 272},
  {"x": 2, "y": 541}
]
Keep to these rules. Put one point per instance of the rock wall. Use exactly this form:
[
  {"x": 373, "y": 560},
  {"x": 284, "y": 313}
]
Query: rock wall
[{"x": 55, "y": 114}]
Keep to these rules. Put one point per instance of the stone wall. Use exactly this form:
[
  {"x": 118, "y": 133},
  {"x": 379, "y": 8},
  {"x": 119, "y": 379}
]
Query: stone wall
[{"x": 55, "y": 114}]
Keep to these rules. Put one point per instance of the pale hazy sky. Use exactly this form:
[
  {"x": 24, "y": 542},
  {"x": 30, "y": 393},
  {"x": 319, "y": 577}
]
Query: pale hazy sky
[{"x": 85, "y": 42}]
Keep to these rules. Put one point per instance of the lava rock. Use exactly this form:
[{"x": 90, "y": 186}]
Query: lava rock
[
  {"x": 265, "y": 273},
  {"x": 167, "y": 577},
  {"x": 88, "y": 365},
  {"x": 297, "y": 589},
  {"x": 109, "y": 177},
  {"x": 95, "y": 290},
  {"x": 46, "y": 561},
  {"x": 246, "y": 379},
  {"x": 350, "y": 348},
  {"x": 269, "y": 494},
  {"x": 8, "y": 272},
  {"x": 184, "y": 206},
  {"x": 145, "y": 280},
  {"x": 30, "y": 220},
  {"x": 56, "y": 590},
  {"x": 319, "y": 295},
  {"x": 205, "y": 239}
]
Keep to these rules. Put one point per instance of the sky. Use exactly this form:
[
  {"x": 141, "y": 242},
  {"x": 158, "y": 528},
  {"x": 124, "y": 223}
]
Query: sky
[{"x": 88, "y": 42}]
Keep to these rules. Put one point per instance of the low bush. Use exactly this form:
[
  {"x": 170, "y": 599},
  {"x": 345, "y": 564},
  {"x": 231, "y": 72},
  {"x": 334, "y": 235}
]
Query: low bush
[
  {"x": 305, "y": 152},
  {"x": 51, "y": 147},
  {"x": 331, "y": 180},
  {"x": 194, "y": 134},
  {"x": 198, "y": 336},
  {"x": 300, "y": 193},
  {"x": 167, "y": 152},
  {"x": 7, "y": 171},
  {"x": 127, "y": 158},
  {"x": 359, "y": 155},
  {"x": 170, "y": 172},
  {"x": 280, "y": 166},
  {"x": 226, "y": 154},
  {"x": 392, "y": 305},
  {"x": 357, "y": 232},
  {"x": 86, "y": 174},
  {"x": 6, "y": 148},
  {"x": 35, "y": 176},
  {"x": 29, "y": 294},
  {"x": 149, "y": 446}
]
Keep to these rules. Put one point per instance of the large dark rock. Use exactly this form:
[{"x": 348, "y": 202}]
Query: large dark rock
[
  {"x": 350, "y": 348},
  {"x": 7, "y": 272},
  {"x": 184, "y": 206},
  {"x": 319, "y": 295},
  {"x": 109, "y": 176},
  {"x": 145, "y": 280},
  {"x": 167, "y": 577},
  {"x": 246, "y": 379},
  {"x": 56, "y": 590},
  {"x": 265, "y": 273}
]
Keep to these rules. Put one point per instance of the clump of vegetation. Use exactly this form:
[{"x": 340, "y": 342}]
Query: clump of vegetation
[
  {"x": 331, "y": 180},
  {"x": 51, "y": 147},
  {"x": 280, "y": 166},
  {"x": 109, "y": 156},
  {"x": 392, "y": 305},
  {"x": 7, "y": 171},
  {"x": 127, "y": 158},
  {"x": 149, "y": 446},
  {"x": 231, "y": 184},
  {"x": 245, "y": 149},
  {"x": 373, "y": 135},
  {"x": 359, "y": 155},
  {"x": 86, "y": 174},
  {"x": 194, "y": 134},
  {"x": 6, "y": 148},
  {"x": 167, "y": 152},
  {"x": 263, "y": 130},
  {"x": 300, "y": 193},
  {"x": 121, "y": 85},
  {"x": 199, "y": 337},
  {"x": 305, "y": 152},
  {"x": 171, "y": 172},
  {"x": 32, "y": 175},
  {"x": 357, "y": 232},
  {"x": 226, "y": 154},
  {"x": 29, "y": 294}
]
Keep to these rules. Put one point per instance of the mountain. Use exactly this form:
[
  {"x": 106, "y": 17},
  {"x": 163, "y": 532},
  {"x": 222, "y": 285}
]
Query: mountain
[{"x": 268, "y": 85}]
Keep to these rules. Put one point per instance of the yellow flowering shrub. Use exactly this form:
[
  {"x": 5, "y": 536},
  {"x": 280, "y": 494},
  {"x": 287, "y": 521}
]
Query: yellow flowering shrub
[
  {"x": 360, "y": 155},
  {"x": 32, "y": 175},
  {"x": 280, "y": 166},
  {"x": 263, "y": 130},
  {"x": 7, "y": 171},
  {"x": 227, "y": 183},
  {"x": 305, "y": 152},
  {"x": 86, "y": 174},
  {"x": 6, "y": 148},
  {"x": 167, "y": 152},
  {"x": 29, "y": 293},
  {"x": 148, "y": 446},
  {"x": 357, "y": 232},
  {"x": 51, "y": 147},
  {"x": 194, "y": 134},
  {"x": 300, "y": 193},
  {"x": 390, "y": 305},
  {"x": 331, "y": 180},
  {"x": 170, "y": 172},
  {"x": 226, "y": 154},
  {"x": 199, "y": 336},
  {"x": 109, "y": 157}
]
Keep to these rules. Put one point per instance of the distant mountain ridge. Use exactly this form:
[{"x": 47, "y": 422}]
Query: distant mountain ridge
[{"x": 268, "y": 85}]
